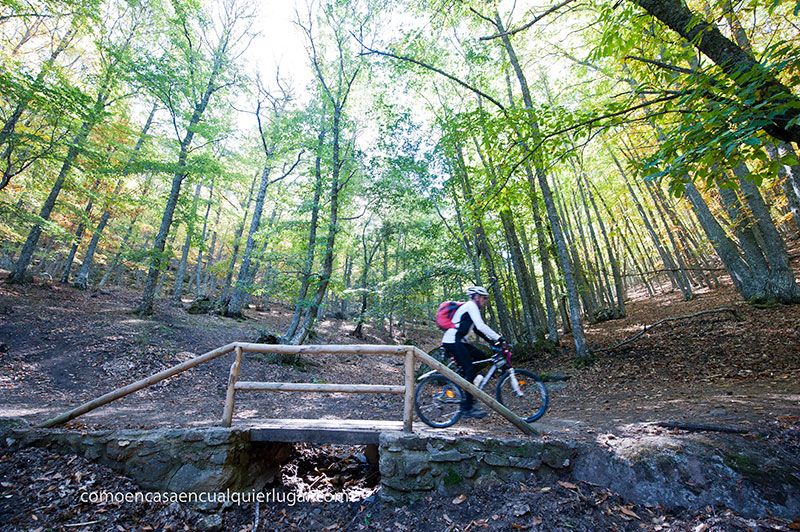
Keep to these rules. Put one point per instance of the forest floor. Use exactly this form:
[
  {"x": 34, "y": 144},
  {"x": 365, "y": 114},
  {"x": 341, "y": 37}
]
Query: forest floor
[{"x": 60, "y": 346}]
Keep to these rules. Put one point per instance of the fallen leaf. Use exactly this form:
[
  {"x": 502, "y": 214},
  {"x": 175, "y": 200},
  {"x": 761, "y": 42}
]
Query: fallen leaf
[
  {"x": 628, "y": 512},
  {"x": 517, "y": 526},
  {"x": 447, "y": 518},
  {"x": 794, "y": 525},
  {"x": 461, "y": 498},
  {"x": 546, "y": 489},
  {"x": 568, "y": 485}
]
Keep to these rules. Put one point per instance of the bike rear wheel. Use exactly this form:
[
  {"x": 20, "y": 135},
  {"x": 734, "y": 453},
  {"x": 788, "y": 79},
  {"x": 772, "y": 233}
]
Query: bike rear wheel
[
  {"x": 533, "y": 401},
  {"x": 438, "y": 401}
]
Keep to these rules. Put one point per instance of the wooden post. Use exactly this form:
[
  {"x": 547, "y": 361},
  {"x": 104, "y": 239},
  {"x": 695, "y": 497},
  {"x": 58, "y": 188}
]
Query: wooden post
[
  {"x": 477, "y": 392},
  {"x": 230, "y": 396},
  {"x": 408, "y": 405},
  {"x": 133, "y": 387}
]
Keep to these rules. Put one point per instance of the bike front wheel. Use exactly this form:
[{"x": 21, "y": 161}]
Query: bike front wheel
[
  {"x": 528, "y": 399},
  {"x": 438, "y": 401}
]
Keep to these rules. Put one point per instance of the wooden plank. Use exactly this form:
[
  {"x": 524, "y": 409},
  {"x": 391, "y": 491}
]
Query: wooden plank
[
  {"x": 325, "y": 423},
  {"x": 339, "y": 431},
  {"x": 324, "y": 349},
  {"x": 230, "y": 394},
  {"x": 408, "y": 403},
  {"x": 477, "y": 392},
  {"x": 248, "y": 386},
  {"x": 136, "y": 386}
]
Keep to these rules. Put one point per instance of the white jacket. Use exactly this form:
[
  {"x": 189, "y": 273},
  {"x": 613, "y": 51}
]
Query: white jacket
[{"x": 470, "y": 308}]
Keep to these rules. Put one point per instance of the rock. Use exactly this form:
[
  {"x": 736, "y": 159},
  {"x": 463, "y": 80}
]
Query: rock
[
  {"x": 201, "y": 305},
  {"x": 518, "y": 510},
  {"x": 210, "y": 523},
  {"x": 267, "y": 337},
  {"x": 182, "y": 460}
]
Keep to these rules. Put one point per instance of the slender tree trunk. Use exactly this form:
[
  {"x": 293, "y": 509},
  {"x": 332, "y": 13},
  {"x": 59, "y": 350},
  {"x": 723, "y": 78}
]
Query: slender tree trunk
[
  {"x": 520, "y": 272},
  {"x": 75, "y": 147},
  {"x": 602, "y": 269},
  {"x": 613, "y": 258},
  {"x": 210, "y": 258},
  {"x": 243, "y": 287},
  {"x": 666, "y": 258},
  {"x": 177, "y": 291},
  {"x": 676, "y": 250},
  {"x": 82, "y": 280},
  {"x": 156, "y": 260},
  {"x": 224, "y": 298},
  {"x": 548, "y": 276},
  {"x": 117, "y": 256},
  {"x": 198, "y": 270},
  {"x": 311, "y": 243},
  {"x": 527, "y": 256},
  {"x": 78, "y": 236},
  {"x": 327, "y": 259},
  {"x": 581, "y": 349}
]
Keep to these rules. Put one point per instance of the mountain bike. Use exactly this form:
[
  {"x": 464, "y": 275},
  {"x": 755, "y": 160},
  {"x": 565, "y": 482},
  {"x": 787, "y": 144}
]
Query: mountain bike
[{"x": 437, "y": 399}]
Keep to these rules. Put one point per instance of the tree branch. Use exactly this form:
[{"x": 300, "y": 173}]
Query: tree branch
[
  {"x": 527, "y": 24},
  {"x": 370, "y": 51}
]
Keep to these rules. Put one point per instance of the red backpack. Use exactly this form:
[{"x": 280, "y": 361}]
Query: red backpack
[{"x": 444, "y": 316}]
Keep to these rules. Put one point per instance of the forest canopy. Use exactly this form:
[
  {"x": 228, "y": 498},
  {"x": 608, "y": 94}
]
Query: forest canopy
[{"x": 566, "y": 155}]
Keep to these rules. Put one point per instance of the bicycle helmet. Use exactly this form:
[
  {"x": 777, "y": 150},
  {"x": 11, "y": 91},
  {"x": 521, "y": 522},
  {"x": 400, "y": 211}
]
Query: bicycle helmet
[{"x": 476, "y": 291}]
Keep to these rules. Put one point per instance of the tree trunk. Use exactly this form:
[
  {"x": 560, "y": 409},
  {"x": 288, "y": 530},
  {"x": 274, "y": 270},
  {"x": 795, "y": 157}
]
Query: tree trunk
[
  {"x": 244, "y": 281},
  {"x": 18, "y": 274},
  {"x": 198, "y": 270},
  {"x": 666, "y": 258},
  {"x": 177, "y": 292},
  {"x": 613, "y": 258},
  {"x": 581, "y": 349},
  {"x": 156, "y": 260},
  {"x": 78, "y": 235},
  {"x": 311, "y": 243},
  {"x": 224, "y": 298},
  {"x": 82, "y": 280},
  {"x": 769, "y": 94},
  {"x": 327, "y": 259}
]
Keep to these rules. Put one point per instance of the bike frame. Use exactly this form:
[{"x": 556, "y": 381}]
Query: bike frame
[{"x": 494, "y": 368}]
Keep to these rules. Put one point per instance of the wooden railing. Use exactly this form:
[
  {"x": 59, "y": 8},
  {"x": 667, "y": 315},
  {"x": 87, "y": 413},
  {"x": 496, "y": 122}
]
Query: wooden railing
[
  {"x": 411, "y": 355},
  {"x": 407, "y": 389}
]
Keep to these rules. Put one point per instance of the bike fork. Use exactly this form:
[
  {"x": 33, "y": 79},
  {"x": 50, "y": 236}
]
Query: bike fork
[{"x": 514, "y": 382}]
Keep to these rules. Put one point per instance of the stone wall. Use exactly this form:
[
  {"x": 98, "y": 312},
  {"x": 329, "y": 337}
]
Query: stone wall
[
  {"x": 412, "y": 466},
  {"x": 181, "y": 460},
  {"x": 674, "y": 471}
]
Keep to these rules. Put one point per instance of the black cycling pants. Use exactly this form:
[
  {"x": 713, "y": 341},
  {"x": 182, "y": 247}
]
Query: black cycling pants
[{"x": 464, "y": 354}]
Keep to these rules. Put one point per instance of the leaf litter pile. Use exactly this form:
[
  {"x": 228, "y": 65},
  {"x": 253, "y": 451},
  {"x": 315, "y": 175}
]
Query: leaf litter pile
[{"x": 41, "y": 491}]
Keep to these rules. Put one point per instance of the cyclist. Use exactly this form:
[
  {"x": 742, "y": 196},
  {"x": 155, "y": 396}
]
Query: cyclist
[{"x": 464, "y": 319}]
